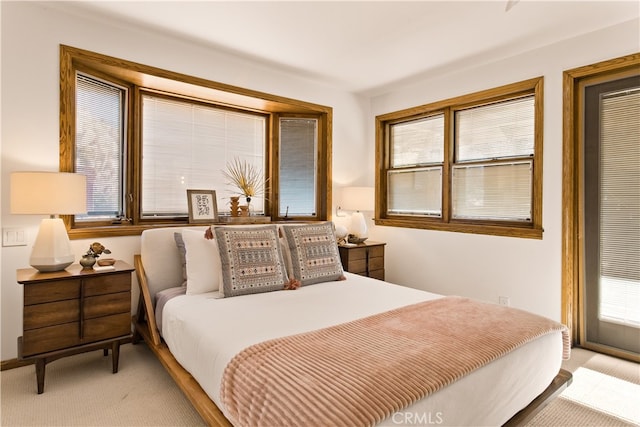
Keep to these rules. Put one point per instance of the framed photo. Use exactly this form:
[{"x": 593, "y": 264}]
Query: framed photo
[{"x": 203, "y": 208}]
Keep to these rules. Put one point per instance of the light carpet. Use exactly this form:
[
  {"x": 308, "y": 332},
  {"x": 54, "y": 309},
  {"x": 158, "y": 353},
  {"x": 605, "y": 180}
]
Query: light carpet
[
  {"x": 81, "y": 391},
  {"x": 605, "y": 392}
]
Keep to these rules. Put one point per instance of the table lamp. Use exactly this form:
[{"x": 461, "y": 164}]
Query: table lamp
[
  {"x": 358, "y": 199},
  {"x": 49, "y": 193}
]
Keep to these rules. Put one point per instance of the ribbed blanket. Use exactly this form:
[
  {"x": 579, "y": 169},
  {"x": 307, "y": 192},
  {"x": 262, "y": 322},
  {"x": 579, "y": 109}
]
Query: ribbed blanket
[{"x": 361, "y": 372}]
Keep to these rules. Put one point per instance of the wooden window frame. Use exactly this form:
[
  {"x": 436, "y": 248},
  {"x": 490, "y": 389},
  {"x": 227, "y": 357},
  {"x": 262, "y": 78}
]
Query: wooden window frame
[
  {"x": 448, "y": 107},
  {"x": 137, "y": 77}
]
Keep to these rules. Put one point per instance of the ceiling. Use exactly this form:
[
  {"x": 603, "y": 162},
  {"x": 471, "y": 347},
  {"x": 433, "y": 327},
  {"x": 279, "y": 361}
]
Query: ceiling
[{"x": 368, "y": 46}]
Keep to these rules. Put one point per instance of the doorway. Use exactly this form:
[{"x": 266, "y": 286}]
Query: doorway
[{"x": 601, "y": 206}]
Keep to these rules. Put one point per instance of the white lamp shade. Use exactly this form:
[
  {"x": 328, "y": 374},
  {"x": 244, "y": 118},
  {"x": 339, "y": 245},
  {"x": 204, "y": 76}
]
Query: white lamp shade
[
  {"x": 357, "y": 198},
  {"x": 48, "y": 193}
]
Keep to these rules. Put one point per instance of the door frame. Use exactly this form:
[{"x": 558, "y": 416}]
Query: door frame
[{"x": 572, "y": 314}]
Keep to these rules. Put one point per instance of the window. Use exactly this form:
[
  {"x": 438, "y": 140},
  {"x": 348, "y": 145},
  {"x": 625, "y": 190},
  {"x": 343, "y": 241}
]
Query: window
[
  {"x": 298, "y": 147},
  {"x": 99, "y": 146},
  {"x": 610, "y": 211},
  {"x": 619, "y": 205},
  {"x": 415, "y": 175},
  {"x": 143, "y": 136},
  {"x": 469, "y": 164},
  {"x": 186, "y": 145},
  {"x": 484, "y": 186}
]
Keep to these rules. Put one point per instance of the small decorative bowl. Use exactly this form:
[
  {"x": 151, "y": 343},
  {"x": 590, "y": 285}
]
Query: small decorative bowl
[
  {"x": 106, "y": 261},
  {"x": 355, "y": 239}
]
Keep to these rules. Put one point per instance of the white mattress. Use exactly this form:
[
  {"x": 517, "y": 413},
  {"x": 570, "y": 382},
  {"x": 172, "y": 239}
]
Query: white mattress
[{"x": 204, "y": 333}]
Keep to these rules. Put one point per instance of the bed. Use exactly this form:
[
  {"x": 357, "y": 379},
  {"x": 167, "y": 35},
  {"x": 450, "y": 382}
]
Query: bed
[{"x": 202, "y": 339}]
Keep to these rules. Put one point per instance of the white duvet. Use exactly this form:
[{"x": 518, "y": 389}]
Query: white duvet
[{"x": 204, "y": 333}]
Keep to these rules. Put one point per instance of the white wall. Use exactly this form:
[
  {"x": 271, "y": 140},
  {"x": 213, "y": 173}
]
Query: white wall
[
  {"x": 486, "y": 267},
  {"x": 31, "y": 35}
]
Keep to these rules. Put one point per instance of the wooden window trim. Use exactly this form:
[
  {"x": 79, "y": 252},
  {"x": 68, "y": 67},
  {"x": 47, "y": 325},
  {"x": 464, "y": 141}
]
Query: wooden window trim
[
  {"x": 533, "y": 230},
  {"x": 138, "y": 76}
]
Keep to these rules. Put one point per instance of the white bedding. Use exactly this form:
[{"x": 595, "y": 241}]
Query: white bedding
[{"x": 204, "y": 333}]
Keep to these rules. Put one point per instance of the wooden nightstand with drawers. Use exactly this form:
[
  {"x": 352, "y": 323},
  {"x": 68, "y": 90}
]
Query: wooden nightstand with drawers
[
  {"x": 74, "y": 311},
  {"x": 366, "y": 259}
]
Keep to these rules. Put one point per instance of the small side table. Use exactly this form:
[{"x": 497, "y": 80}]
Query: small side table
[
  {"x": 366, "y": 259},
  {"x": 74, "y": 311}
]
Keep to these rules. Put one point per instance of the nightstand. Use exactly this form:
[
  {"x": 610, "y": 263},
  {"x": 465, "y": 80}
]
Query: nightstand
[
  {"x": 366, "y": 259},
  {"x": 74, "y": 311}
]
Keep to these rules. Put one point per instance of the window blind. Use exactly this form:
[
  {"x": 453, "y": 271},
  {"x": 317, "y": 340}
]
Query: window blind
[
  {"x": 488, "y": 189},
  {"x": 417, "y": 142},
  {"x": 298, "y": 165},
  {"x": 187, "y": 146},
  {"x": 99, "y": 145},
  {"x": 620, "y": 207},
  {"x": 415, "y": 191},
  {"x": 492, "y": 191},
  {"x": 501, "y": 130}
]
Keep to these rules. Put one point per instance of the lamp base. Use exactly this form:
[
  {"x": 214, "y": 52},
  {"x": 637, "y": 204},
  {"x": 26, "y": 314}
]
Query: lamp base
[
  {"x": 51, "y": 250},
  {"x": 51, "y": 267},
  {"x": 358, "y": 228}
]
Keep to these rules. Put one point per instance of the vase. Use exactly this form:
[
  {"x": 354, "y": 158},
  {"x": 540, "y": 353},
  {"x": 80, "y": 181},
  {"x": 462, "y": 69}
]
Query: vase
[
  {"x": 87, "y": 261},
  {"x": 234, "y": 205},
  {"x": 248, "y": 206}
]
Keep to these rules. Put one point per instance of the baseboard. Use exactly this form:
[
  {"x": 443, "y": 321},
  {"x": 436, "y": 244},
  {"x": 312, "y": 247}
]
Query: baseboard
[{"x": 14, "y": 363}]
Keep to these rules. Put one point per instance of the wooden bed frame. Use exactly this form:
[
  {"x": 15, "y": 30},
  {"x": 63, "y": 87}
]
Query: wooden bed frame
[{"x": 145, "y": 328}]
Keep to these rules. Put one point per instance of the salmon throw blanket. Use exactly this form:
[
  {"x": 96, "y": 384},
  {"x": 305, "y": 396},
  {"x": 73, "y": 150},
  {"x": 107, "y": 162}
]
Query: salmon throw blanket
[{"x": 359, "y": 373}]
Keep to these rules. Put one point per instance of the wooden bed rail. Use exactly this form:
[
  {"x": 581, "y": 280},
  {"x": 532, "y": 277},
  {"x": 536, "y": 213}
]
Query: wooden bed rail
[
  {"x": 146, "y": 329},
  {"x": 557, "y": 386},
  {"x": 145, "y": 304}
]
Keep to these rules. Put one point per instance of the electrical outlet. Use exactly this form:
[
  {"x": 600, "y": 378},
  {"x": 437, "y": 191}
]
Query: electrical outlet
[
  {"x": 14, "y": 237},
  {"x": 504, "y": 301}
]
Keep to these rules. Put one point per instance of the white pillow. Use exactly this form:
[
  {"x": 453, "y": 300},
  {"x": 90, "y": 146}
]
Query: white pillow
[{"x": 204, "y": 269}]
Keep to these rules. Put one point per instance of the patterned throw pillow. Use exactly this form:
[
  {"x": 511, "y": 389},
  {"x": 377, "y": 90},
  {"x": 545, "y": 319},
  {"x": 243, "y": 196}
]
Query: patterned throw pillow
[
  {"x": 251, "y": 260},
  {"x": 314, "y": 253}
]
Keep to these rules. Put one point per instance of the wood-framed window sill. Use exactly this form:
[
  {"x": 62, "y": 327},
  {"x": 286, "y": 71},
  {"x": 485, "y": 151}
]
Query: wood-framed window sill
[{"x": 526, "y": 232}]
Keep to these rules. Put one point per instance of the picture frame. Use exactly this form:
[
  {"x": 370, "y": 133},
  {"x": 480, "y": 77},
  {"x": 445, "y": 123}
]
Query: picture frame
[{"x": 203, "y": 207}]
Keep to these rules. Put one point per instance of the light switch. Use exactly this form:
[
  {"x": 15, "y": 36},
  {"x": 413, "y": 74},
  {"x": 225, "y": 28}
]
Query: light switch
[{"x": 14, "y": 237}]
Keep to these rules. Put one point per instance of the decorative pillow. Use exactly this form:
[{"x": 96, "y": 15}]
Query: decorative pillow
[
  {"x": 203, "y": 262},
  {"x": 251, "y": 260},
  {"x": 183, "y": 255},
  {"x": 286, "y": 255},
  {"x": 314, "y": 253}
]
